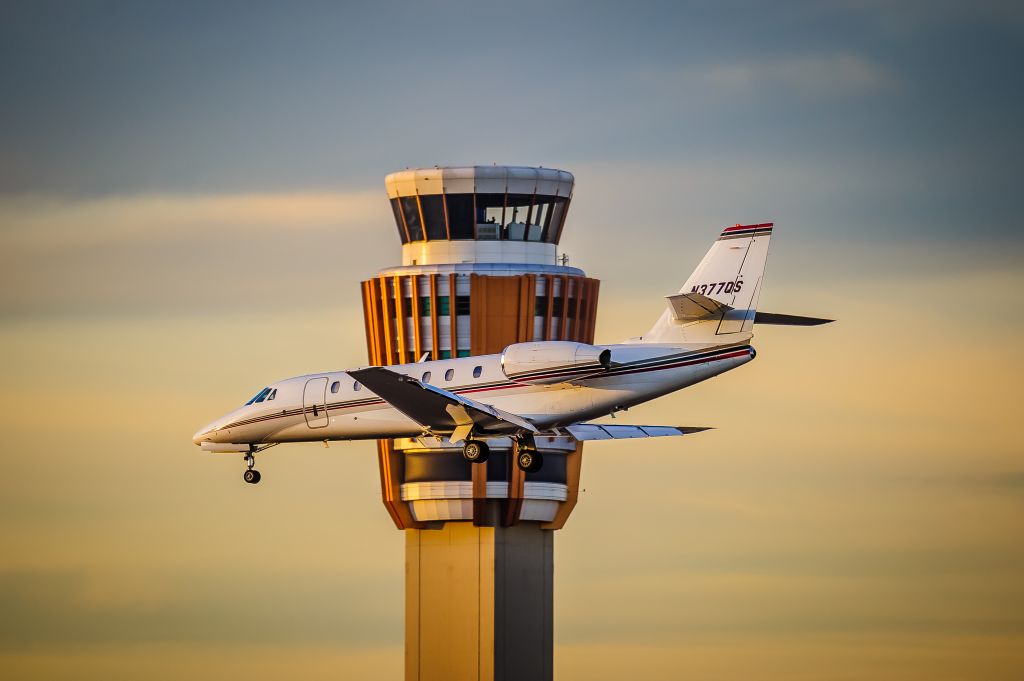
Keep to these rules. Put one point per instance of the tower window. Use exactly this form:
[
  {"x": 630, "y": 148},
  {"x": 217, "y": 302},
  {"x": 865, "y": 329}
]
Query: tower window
[
  {"x": 460, "y": 215},
  {"x": 461, "y": 305},
  {"x": 411, "y": 211},
  {"x": 433, "y": 214},
  {"x": 399, "y": 221}
]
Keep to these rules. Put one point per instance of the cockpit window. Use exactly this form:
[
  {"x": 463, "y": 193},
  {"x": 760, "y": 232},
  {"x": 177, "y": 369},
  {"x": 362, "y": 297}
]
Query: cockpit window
[
  {"x": 272, "y": 395},
  {"x": 259, "y": 397}
]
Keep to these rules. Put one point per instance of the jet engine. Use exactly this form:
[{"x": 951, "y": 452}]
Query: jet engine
[{"x": 543, "y": 362}]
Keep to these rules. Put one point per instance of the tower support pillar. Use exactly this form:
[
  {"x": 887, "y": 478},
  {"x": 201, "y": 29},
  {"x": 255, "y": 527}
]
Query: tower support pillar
[{"x": 478, "y": 603}]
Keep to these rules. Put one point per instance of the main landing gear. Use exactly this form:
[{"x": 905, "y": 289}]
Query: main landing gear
[
  {"x": 527, "y": 457},
  {"x": 251, "y": 475},
  {"x": 475, "y": 451}
]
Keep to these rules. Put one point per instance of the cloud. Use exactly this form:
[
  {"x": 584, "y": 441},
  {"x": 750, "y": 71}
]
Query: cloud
[
  {"x": 50, "y": 609},
  {"x": 50, "y": 222},
  {"x": 833, "y": 75},
  {"x": 268, "y": 661},
  {"x": 917, "y": 16},
  {"x": 167, "y": 252}
]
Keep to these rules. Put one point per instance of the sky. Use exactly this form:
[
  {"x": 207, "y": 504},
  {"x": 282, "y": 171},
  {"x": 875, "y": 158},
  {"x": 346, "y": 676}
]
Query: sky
[{"x": 190, "y": 194}]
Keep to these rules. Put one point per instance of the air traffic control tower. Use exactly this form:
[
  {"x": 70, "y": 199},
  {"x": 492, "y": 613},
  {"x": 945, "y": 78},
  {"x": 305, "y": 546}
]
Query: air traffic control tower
[{"x": 479, "y": 272}]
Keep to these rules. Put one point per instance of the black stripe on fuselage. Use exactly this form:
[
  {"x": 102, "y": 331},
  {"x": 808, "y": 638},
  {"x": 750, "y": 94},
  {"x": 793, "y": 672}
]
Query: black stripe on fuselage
[{"x": 635, "y": 367}]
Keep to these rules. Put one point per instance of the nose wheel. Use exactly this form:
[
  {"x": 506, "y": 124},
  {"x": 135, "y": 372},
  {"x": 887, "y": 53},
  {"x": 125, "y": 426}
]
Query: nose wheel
[{"x": 251, "y": 475}]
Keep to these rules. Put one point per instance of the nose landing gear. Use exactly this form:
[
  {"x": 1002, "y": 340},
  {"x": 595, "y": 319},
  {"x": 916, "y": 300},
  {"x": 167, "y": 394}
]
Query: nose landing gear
[{"x": 251, "y": 475}]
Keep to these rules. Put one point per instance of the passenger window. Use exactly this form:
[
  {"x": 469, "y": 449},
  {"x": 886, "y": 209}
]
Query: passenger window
[
  {"x": 335, "y": 386},
  {"x": 449, "y": 374},
  {"x": 477, "y": 371},
  {"x": 426, "y": 377},
  {"x": 356, "y": 386}
]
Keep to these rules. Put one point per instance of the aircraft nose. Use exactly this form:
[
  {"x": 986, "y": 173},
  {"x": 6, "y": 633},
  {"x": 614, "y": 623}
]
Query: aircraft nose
[{"x": 203, "y": 433}]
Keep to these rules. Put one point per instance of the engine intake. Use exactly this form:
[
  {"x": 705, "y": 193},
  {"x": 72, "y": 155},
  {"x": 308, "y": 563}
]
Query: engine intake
[{"x": 544, "y": 362}]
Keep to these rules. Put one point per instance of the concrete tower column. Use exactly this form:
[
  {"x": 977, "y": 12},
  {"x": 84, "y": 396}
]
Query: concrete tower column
[{"x": 479, "y": 273}]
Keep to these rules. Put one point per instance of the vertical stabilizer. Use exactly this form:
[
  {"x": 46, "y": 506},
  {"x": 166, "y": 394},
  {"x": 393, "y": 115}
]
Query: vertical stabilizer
[{"x": 730, "y": 275}]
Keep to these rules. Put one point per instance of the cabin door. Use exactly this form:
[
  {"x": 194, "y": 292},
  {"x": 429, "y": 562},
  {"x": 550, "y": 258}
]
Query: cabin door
[{"x": 314, "y": 402}]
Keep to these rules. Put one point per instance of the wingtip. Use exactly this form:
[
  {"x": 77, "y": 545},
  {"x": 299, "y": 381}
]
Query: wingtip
[{"x": 689, "y": 430}]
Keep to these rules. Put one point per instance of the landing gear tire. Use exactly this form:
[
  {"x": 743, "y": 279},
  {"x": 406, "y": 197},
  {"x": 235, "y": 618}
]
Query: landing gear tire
[
  {"x": 530, "y": 460},
  {"x": 475, "y": 451},
  {"x": 251, "y": 476}
]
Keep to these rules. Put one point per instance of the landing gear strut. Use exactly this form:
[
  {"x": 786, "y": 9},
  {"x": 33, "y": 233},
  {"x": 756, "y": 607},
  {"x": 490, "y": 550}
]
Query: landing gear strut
[
  {"x": 475, "y": 451},
  {"x": 528, "y": 458},
  {"x": 251, "y": 475}
]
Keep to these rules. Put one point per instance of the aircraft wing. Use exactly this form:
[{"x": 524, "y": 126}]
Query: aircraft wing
[
  {"x": 595, "y": 431},
  {"x": 438, "y": 410}
]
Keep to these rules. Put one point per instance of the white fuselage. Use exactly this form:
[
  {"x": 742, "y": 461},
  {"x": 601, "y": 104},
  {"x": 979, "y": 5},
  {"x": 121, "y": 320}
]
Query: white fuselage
[{"x": 333, "y": 406}]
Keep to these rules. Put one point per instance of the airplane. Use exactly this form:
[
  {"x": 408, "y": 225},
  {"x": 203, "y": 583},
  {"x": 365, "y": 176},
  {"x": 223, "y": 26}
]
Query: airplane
[{"x": 531, "y": 389}]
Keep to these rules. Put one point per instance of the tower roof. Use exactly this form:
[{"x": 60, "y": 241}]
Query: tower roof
[{"x": 528, "y": 180}]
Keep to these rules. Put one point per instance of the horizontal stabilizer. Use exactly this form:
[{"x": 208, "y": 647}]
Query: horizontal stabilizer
[
  {"x": 788, "y": 319},
  {"x": 594, "y": 431},
  {"x": 694, "y": 306}
]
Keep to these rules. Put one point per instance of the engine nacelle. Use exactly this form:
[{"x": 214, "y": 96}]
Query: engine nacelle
[{"x": 543, "y": 362}]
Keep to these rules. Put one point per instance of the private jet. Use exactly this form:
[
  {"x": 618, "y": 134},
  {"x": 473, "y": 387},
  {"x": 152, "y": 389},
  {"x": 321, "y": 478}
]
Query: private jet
[{"x": 531, "y": 389}]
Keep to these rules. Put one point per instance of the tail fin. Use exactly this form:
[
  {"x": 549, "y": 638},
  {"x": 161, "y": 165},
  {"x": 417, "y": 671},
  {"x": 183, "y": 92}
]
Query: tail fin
[{"x": 718, "y": 303}]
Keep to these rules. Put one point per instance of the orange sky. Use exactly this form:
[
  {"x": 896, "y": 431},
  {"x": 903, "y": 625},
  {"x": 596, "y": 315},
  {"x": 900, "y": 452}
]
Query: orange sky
[
  {"x": 190, "y": 194},
  {"x": 857, "y": 509}
]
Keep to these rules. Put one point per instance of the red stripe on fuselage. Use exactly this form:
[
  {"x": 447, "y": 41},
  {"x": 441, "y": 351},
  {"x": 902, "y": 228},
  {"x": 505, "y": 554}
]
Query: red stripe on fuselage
[{"x": 507, "y": 386}]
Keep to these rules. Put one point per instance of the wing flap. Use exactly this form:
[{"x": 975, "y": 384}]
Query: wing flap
[
  {"x": 436, "y": 409},
  {"x": 596, "y": 431}
]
